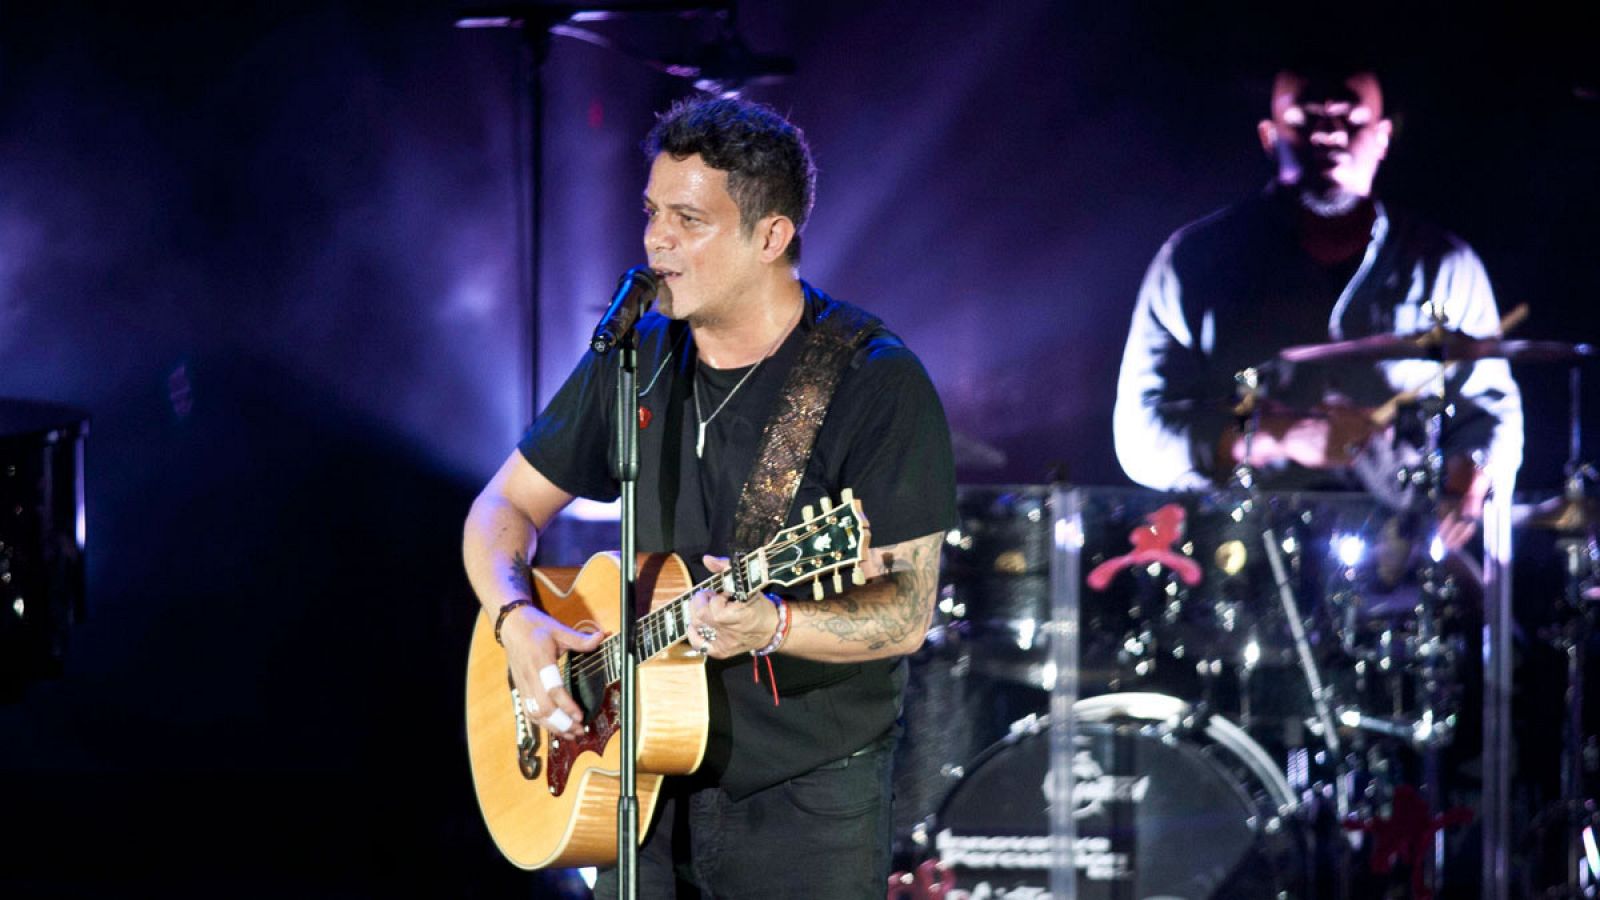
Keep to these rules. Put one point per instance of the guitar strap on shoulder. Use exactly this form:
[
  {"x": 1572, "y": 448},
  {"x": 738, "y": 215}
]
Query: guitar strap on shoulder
[{"x": 839, "y": 331}]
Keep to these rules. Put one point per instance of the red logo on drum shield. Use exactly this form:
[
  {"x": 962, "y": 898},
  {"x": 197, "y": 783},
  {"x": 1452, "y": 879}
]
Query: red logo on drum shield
[
  {"x": 1407, "y": 834},
  {"x": 1152, "y": 543},
  {"x": 931, "y": 881}
]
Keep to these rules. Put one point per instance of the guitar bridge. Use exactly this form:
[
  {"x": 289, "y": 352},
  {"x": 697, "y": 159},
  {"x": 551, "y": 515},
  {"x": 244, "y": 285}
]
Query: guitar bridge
[{"x": 527, "y": 735}]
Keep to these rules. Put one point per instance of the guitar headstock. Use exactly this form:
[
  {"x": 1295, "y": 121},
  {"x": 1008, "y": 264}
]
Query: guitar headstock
[{"x": 826, "y": 541}]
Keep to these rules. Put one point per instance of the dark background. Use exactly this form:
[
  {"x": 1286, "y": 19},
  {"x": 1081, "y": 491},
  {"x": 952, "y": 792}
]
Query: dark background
[{"x": 277, "y": 252}]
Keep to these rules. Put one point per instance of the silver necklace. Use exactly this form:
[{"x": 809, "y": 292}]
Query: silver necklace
[
  {"x": 661, "y": 368},
  {"x": 700, "y": 436}
]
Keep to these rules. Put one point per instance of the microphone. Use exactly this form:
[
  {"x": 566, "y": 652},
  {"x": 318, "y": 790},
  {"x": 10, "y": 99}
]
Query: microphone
[{"x": 636, "y": 290}]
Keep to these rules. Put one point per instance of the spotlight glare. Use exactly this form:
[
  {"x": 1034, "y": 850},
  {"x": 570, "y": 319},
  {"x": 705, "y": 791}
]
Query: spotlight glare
[
  {"x": 1349, "y": 548},
  {"x": 1590, "y": 851}
]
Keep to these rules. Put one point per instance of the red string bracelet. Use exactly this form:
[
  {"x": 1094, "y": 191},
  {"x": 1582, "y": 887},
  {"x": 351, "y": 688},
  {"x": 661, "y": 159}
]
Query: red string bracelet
[{"x": 780, "y": 635}]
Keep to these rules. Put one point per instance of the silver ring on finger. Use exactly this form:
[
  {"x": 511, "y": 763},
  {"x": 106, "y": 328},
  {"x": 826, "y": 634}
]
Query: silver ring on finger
[{"x": 708, "y": 634}]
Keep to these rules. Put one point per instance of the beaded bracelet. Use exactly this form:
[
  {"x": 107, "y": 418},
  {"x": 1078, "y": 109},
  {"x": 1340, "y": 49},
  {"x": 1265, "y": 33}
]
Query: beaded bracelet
[
  {"x": 500, "y": 620},
  {"x": 781, "y": 634}
]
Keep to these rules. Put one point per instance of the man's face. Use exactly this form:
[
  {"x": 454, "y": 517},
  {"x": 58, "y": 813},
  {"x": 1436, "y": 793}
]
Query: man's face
[
  {"x": 693, "y": 240},
  {"x": 1328, "y": 136}
]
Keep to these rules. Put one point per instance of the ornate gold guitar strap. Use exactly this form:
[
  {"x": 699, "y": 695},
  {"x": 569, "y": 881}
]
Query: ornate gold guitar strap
[{"x": 838, "y": 332}]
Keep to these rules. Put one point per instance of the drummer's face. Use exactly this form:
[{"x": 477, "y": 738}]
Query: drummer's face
[{"x": 1327, "y": 136}]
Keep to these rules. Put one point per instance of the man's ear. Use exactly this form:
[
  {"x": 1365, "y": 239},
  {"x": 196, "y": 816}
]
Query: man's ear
[
  {"x": 775, "y": 232},
  {"x": 1385, "y": 130},
  {"x": 1268, "y": 132}
]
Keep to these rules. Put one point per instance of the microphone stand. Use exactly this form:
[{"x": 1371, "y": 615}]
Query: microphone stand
[{"x": 625, "y": 469}]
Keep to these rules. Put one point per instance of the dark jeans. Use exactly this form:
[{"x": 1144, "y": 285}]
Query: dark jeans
[{"x": 824, "y": 834}]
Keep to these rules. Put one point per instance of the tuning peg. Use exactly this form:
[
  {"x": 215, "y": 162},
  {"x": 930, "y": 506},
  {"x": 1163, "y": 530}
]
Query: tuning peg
[
  {"x": 857, "y": 577},
  {"x": 846, "y": 496},
  {"x": 827, "y": 505},
  {"x": 816, "y": 588},
  {"x": 807, "y": 513},
  {"x": 838, "y": 581}
]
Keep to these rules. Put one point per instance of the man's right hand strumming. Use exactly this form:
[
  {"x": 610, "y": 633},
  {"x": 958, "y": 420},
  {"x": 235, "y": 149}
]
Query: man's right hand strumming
[
  {"x": 535, "y": 643},
  {"x": 501, "y": 533}
]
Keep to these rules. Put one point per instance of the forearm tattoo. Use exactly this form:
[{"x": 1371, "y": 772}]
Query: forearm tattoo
[
  {"x": 886, "y": 611},
  {"x": 517, "y": 576}
]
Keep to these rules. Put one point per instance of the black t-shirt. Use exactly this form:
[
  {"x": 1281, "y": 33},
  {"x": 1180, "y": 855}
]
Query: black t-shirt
[{"x": 884, "y": 436}]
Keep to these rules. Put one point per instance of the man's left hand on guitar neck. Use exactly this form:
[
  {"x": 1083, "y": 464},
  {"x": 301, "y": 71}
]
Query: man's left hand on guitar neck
[{"x": 887, "y": 616}]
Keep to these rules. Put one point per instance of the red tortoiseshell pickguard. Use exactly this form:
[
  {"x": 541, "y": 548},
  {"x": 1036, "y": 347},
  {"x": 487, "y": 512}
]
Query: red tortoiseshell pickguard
[{"x": 597, "y": 732}]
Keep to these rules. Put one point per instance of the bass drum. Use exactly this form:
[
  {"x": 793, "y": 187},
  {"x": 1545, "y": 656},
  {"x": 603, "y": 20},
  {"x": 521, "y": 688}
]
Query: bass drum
[{"x": 1165, "y": 807}]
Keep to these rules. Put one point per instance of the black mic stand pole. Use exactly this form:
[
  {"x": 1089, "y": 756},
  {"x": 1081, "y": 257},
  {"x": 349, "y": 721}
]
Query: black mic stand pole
[{"x": 625, "y": 469}]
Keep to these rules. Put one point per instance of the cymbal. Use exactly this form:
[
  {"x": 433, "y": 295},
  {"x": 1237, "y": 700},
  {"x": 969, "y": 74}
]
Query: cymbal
[
  {"x": 1564, "y": 515},
  {"x": 972, "y": 453},
  {"x": 1440, "y": 344}
]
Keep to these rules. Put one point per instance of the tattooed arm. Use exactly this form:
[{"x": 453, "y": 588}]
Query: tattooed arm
[
  {"x": 887, "y": 616},
  {"x": 501, "y": 533}
]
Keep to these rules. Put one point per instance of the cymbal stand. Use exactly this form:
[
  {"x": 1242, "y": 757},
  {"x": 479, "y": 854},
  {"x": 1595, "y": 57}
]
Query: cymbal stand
[
  {"x": 1248, "y": 383},
  {"x": 1578, "y": 811},
  {"x": 1433, "y": 729},
  {"x": 1579, "y": 814}
]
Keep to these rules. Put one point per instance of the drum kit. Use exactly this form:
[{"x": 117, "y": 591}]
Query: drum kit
[
  {"x": 1281, "y": 691},
  {"x": 41, "y": 539}
]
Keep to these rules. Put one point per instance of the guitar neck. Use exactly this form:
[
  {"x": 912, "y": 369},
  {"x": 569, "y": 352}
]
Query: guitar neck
[
  {"x": 659, "y": 629},
  {"x": 822, "y": 543}
]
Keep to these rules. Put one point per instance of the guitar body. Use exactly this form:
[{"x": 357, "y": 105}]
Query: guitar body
[
  {"x": 575, "y": 824},
  {"x": 555, "y": 803}
]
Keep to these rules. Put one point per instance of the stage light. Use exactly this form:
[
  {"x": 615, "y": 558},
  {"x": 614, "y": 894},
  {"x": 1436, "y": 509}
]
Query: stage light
[
  {"x": 1349, "y": 548},
  {"x": 1591, "y": 853}
]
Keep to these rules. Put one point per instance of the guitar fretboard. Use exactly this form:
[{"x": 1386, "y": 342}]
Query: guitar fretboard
[
  {"x": 659, "y": 629},
  {"x": 821, "y": 544}
]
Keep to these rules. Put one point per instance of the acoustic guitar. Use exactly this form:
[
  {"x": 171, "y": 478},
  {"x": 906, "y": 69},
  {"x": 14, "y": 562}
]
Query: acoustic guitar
[{"x": 551, "y": 802}]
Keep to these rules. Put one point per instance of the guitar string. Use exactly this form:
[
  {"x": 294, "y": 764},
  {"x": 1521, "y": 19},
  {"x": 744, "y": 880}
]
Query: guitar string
[{"x": 601, "y": 658}]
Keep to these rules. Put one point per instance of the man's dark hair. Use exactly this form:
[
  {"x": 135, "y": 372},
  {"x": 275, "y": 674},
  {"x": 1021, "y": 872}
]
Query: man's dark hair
[
  {"x": 768, "y": 163},
  {"x": 1319, "y": 58}
]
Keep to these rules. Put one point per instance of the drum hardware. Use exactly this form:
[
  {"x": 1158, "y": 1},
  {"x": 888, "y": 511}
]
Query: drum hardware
[
  {"x": 1248, "y": 382},
  {"x": 1443, "y": 344},
  {"x": 1450, "y": 345},
  {"x": 1573, "y": 517},
  {"x": 1574, "y": 814},
  {"x": 1423, "y": 483},
  {"x": 42, "y": 539},
  {"x": 1422, "y": 733},
  {"x": 1566, "y": 514},
  {"x": 1574, "y": 809},
  {"x": 1169, "y": 801}
]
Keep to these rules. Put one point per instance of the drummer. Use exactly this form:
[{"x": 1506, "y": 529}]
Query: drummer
[{"x": 1312, "y": 258}]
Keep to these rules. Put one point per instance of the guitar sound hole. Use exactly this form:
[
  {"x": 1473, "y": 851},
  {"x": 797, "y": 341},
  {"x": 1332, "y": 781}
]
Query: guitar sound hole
[{"x": 588, "y": 688}]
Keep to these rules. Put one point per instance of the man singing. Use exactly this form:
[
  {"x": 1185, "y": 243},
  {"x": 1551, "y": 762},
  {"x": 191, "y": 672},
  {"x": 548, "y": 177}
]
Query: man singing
[{"x": 793, "y": 799}]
